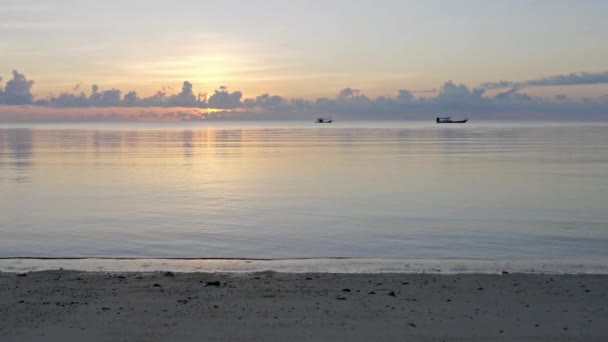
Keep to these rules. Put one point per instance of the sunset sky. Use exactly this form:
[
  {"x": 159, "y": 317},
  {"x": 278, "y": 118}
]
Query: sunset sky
[
  {"x": 298, "y": 48},
  {"x": 304, "y": 49}
]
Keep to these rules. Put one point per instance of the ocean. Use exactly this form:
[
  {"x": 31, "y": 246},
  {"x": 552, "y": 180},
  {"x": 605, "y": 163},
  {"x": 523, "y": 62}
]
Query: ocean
[{"x": 481, "y": 190}]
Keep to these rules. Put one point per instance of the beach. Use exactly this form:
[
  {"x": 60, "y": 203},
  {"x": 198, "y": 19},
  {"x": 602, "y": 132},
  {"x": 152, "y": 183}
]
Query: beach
[
  {"x": 303, "y": 171},
  {"x": 265, "y": 306}
]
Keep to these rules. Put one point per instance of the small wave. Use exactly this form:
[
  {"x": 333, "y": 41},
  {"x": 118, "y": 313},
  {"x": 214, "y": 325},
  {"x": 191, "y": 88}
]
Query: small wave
[{"x": 310, "y": 265}]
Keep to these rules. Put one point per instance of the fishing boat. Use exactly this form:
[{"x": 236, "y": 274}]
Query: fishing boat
[
  {"x": 448, "y": 119},
  {"x": 324, "y": 120}
]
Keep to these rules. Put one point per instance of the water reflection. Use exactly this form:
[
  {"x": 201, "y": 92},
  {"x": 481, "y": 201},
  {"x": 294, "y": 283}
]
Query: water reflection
[
  {"x": 17, "y": 148},
  {"x": 187, "y": 144},
  {"x": 403, "y": 191}
]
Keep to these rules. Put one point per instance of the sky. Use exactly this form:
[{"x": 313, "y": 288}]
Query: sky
[{"x": 307, "y": 50}]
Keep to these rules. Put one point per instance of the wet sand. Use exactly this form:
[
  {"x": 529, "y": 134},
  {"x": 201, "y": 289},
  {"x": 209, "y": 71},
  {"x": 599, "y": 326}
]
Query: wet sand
[{"x": 160, "y": 306}]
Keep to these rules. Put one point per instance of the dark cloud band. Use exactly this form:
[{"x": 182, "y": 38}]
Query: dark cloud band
[
  {"x": 581, "y": 78},
  {"x": 450, "y": 98}
]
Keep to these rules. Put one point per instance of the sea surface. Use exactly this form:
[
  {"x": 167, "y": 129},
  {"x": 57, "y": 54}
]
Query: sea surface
[{"x": 481, "y": 190}]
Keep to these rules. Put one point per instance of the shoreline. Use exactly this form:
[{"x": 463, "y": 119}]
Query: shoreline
[
  {"x": 310, "y": 265},
  {"x": 170, "y": 306}
]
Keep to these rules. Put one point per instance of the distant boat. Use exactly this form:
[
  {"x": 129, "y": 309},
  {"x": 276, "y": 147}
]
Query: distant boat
[
  {"x": 324, "y": 120},
  {"x": 448, "y": 119}
]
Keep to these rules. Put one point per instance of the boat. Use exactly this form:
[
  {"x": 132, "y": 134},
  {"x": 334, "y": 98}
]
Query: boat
[
  {"x": 448, "y": 119},
  {"x": 324, "y": 120}
]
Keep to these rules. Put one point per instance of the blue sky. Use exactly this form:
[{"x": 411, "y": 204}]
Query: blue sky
[{"x": 302, "y": 49}]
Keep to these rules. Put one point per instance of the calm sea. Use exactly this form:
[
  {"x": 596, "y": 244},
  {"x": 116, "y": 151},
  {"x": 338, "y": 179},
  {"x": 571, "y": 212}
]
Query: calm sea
[{"x": 495, "y": 190}]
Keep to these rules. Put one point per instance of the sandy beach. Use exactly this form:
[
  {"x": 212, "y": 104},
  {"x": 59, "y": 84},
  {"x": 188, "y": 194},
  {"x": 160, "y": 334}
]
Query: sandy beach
[{"x": 265, "y": 306}]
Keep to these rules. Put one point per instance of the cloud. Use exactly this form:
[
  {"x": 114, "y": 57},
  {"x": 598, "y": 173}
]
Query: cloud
[
  {"x": 266, "y": 101},
  {"x": 455, "y": 94},
  {"x": 98, "y": 114},
  {"x": 223, "y": 99},
  {"x": 451, "y": 98},
  {"x": 185, "y": 98},
  {"x": 348, "y": 93},
  {"x": 109, "y": 98},
  {"x": 104, "y": 98},
  {"x": 580, "y": 78},
  {"x": 18, "y": 90},
  {"x": 424, "y": 91},
  {"x": 458, "y": 99}
]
